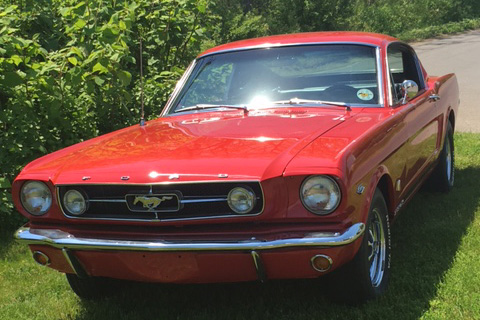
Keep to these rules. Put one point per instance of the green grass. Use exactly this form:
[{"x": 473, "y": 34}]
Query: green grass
[{"x": 436, "y": 274}]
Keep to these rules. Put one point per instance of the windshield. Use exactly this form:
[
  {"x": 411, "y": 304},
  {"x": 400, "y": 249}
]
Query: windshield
[{"x": 343, "y": 73}]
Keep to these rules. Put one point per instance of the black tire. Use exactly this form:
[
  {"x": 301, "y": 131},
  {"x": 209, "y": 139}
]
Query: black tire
[
  {"x": 366, "y": 276},
  {"x": 91, "y": 287},
  {"x": 443, "y": 176}
]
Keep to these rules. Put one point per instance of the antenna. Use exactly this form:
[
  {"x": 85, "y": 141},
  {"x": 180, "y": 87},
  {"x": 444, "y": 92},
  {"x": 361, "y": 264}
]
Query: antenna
[{"x": 142, "y": 116}]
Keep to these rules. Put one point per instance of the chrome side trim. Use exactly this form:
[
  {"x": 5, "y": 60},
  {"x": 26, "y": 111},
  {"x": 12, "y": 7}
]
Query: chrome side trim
[{"x": 63, "y": 240}]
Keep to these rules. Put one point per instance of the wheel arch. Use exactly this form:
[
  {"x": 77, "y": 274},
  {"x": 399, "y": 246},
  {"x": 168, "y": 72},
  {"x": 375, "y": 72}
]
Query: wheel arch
[
  {"x": 382, "y": 181},
  {"x": 385, "y": 185},
  {"x": 451, "y": 119}
]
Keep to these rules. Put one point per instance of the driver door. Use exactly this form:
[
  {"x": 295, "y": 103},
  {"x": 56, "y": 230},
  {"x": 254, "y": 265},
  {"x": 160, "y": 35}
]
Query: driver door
[{"x": 422, "y": 118}]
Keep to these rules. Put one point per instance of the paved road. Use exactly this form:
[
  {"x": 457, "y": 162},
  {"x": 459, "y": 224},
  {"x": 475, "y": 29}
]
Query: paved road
[{"x": 459, "y": 54}]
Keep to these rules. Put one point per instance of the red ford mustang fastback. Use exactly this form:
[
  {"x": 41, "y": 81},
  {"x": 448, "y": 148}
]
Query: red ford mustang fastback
[{"x": 278, "y": 157}]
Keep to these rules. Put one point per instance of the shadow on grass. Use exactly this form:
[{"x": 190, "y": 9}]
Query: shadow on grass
[
  {"x": 426, "y": 237},
  {"x": 6, "y": 239}
]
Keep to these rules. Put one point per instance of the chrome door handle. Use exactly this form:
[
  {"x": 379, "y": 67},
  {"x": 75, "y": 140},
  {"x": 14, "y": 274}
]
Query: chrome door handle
[{"x": 434, "y": 97}]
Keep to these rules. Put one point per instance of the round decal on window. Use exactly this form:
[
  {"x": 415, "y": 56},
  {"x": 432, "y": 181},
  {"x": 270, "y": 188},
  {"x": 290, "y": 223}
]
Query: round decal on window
[{"x": 365, "y": 94}]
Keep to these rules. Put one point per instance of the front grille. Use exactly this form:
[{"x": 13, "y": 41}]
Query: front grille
[{"x": 160, "y": 202}]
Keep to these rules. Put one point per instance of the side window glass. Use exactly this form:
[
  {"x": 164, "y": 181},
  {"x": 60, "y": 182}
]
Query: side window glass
[
  {"x": 395, "y": 65},
  {"x": 402, "y": 65}
]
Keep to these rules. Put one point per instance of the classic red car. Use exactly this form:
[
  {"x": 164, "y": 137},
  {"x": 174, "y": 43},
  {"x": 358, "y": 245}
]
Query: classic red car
[{"x": 278, "y": 157}]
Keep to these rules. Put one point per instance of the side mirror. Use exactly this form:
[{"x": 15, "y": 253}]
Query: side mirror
[{"x": 409, "y": 90}]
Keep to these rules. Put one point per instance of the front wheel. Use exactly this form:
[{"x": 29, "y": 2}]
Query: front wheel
[{"x": 366, "y": 276}]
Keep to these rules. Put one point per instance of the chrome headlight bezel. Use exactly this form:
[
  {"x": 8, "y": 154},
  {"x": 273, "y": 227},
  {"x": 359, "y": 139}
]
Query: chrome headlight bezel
[
  {"x": 39, "y": 204},
  {"x": 246, "y": 192},
  {"x": 329, "y": 185},
  {"x": 84, "y": 202}
]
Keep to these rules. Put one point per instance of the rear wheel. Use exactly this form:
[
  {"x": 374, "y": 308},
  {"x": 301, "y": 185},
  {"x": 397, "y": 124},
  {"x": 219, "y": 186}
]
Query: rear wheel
[
  {"x": 444, "y": 175},
  {"x": 366, "y": 276}
]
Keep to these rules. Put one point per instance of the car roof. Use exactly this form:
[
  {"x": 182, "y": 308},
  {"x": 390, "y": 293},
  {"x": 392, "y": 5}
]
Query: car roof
[{"x": 368, "y": 38}]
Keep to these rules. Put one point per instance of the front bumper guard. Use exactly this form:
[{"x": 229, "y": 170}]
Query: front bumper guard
[
  {"x": 68, "y": 243},
  {"x": 64, "y": 240}
]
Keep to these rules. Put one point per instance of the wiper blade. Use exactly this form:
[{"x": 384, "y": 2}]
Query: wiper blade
[
  {"x": 306, "y": 101},
  {"x": 211, "y": 106}
]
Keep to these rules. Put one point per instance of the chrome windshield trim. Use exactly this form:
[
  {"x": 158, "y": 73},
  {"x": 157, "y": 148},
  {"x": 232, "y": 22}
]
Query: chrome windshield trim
[
  {"x": 178, "y": 87},
  {"x": 280, "y": 45},
  {"x": 63, "y": 240},
  {"x": 381, "y": 100},
  {"x": 183, "y": 79}
]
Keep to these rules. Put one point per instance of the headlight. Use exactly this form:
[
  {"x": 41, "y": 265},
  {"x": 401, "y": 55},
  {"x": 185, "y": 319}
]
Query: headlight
[
  {"x": 36, "y": 197},
  {"x": 320, "y": 194},
  {"x": 74, "y": 202},
  {"x": 241, "y": 200}
]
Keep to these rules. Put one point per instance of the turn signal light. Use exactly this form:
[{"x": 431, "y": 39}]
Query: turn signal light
[
  {"x": 321, "y": 263},
  {"x": 41, "y": 258}
]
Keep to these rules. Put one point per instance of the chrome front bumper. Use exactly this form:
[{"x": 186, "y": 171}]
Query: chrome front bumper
[{"x": 63, "y": 240}]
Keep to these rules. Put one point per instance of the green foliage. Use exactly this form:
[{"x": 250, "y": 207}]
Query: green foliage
[
  {"x": 241, "y": 19},
  {"x": 69, "y": 70},
  {"x": 447, "y": 28}
]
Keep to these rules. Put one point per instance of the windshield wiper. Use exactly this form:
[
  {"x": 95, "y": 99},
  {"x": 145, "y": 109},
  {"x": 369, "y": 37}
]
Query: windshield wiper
[
  {"x": 306, "y": 101},
  {"x": 211, "y": 106}
]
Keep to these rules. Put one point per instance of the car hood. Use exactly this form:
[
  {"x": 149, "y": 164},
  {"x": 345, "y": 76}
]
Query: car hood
[{"x": 194, "y": 147}]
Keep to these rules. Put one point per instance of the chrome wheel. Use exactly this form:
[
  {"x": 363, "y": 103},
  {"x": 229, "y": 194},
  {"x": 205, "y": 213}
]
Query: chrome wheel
[
  {"x": 366, "y": 276},
  {"x": 448, "y": 160},
  {"x": 443, "y": 178},
  {"x": 376, "y": 248}
]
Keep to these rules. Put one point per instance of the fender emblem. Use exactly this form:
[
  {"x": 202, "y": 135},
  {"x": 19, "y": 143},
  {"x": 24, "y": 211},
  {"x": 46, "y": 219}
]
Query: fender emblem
[{"x": 360, "y": 189}]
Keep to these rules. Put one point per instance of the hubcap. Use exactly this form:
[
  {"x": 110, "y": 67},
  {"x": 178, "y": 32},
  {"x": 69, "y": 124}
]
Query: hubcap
[
  {"x": 448, "y": 150},
  {"x": 376, "y": 248}
]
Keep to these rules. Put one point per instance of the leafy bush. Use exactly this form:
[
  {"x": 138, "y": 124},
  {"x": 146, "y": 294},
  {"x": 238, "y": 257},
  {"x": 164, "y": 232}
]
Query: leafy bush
[{"x": 69, "y": 70}]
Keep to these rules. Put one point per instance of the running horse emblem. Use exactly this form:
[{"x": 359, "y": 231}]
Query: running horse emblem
[{"x": 151, "y": 203}]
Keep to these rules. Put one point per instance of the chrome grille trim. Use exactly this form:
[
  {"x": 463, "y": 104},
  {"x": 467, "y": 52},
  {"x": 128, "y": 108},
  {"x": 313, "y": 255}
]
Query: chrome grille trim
[
  {"x": 181, "y": 201},
  {"x": 199, "y": 205},
  {"x": 107, "y": 200},
  {"x": 184, "y": 201}
]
